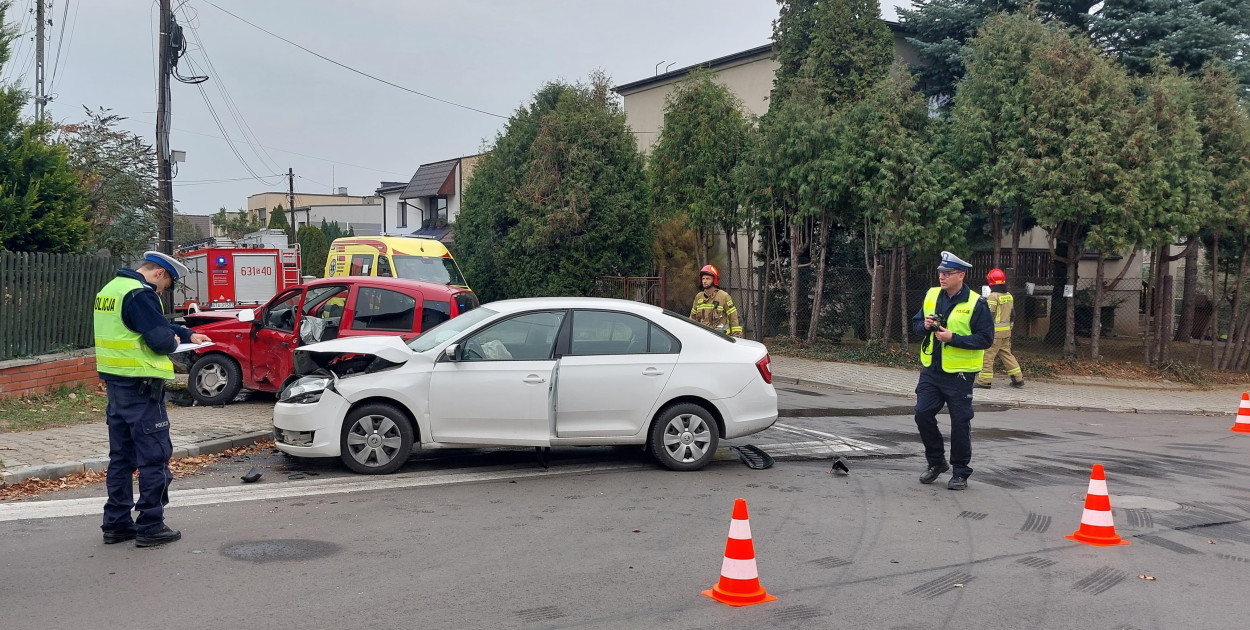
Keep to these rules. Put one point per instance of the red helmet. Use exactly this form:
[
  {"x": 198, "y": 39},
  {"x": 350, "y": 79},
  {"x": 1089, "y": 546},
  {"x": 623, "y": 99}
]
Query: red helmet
[
  {"x": 710, "y": 271},
  {"x": 996, "y": 276}
]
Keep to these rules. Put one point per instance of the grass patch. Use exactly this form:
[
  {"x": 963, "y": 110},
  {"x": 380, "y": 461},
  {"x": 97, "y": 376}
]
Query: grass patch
[
  {"x": 63, "y": 407},
  {"x": 889, "y": 354}
]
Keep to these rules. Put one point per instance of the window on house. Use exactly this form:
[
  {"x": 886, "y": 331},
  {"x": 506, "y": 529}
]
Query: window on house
[
  {"x": 438, "y": 209},
  {"x": 403, "y": 214}
]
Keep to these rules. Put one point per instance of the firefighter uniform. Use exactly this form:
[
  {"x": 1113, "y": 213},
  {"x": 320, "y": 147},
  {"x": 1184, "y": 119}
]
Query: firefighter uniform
[
  {"x": 132, "y": 343},
  {"x": 949, "y": 370},
  {"x": 1001, "y": 306},
  {"x": 715, "y": 308}
]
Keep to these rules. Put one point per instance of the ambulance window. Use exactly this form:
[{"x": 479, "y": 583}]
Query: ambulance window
[
  {"x": 382, "y": 309},
  {"x": 362, "y": 265},
  {"x": 384, "y": 267}
]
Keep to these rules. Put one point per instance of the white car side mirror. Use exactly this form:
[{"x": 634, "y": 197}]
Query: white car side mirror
[
  {"x": 452, "y": 353},
  {"x": 247, "y": 315}
]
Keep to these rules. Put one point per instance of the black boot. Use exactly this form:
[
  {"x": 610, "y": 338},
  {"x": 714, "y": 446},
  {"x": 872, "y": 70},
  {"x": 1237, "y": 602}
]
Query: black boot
[
  {"x": 159, "y": 537},
  {"x": 932, "y": 473}
]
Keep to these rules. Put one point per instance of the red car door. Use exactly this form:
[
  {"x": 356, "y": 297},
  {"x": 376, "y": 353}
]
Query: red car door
[
  {"x": 379, "y": 310},
  {"x": 274, "y": 338}
]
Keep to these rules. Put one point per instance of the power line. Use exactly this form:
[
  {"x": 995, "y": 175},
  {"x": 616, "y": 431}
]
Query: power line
[
  {"x": 239, "y": 120},
  {"x": 233, "y": 149},
  {"x": 60, "y": 39},
  {"x": 347, "y": 67},
  {"x": 202, "y": 182},
  {"x": 311, "y": 157}
]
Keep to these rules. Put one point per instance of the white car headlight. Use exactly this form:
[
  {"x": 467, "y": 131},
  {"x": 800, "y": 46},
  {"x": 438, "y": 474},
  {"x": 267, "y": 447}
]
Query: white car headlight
[{"x": 305, "y": 390}]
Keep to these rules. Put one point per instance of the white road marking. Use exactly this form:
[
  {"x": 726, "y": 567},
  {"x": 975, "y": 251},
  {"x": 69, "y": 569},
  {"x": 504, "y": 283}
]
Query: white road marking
[
  {"x": 231, "y": 494},
  {"x": 851, "y": 444}
]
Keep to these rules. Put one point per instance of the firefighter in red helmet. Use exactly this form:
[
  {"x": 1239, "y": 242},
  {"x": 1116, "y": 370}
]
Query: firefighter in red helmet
[
  {"x": 714, "y": 307},
  {"x": 1001, "y": 305}
]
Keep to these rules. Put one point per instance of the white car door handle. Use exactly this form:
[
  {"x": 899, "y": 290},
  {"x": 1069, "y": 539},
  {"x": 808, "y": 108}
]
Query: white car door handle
[
  {"x": 652, "y": 372},
  {"x": 535, "y": 379}
]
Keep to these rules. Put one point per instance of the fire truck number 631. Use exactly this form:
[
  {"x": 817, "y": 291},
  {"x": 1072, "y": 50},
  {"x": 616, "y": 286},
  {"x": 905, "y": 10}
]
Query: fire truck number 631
[{"x": 255, "y": 271}]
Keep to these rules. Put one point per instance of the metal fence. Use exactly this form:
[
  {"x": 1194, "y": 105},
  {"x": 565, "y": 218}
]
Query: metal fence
[
  {"x": 45, "y": 301},
  {"x": 1040, "y": 321}
]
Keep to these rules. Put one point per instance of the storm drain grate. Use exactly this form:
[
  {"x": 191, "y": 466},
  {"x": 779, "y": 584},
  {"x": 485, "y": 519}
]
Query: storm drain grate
[
  {"x": 832, "y": 562},
  {"x": 1139, "y": 519},
  {"x": 546, "y": 613},
  {"x": 938, "y": 586},
  {"x": 1036, "y": 523},
  {"x": 1224, "y": 556},
  {"x": 1173, "y": 546},
  {"x": 799, "y": 613},
  {"x": 1036, "y": 562},
  {"x": 1100, "y": 581},
  {"x": 974, "y": 516}
]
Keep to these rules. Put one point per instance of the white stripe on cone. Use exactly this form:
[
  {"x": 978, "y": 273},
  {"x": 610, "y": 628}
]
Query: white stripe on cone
[
  {"x": 1098, "y": 487},
  {"x": 1097, "y": 518},
  {"x": 740, "y": 530},
  {"x": 739, "y": 569}
]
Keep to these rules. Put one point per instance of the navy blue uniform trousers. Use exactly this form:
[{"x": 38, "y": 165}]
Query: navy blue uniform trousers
[
  {"x": 954, "y": 390},
  {"x": 138, "y": 438}
]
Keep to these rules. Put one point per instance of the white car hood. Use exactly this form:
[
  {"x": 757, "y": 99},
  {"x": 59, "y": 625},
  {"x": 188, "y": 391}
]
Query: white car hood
[{"x": 392, "y": 349}]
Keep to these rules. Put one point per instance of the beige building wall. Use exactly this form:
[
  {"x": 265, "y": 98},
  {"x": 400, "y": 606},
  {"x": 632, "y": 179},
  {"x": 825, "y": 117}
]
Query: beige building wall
[
  {"x": 749, "y": 77},
  {"x": 267, "y": 201}
]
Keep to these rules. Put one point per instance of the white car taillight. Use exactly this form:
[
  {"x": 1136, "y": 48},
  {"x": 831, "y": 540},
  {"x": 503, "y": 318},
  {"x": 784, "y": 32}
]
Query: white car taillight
[{"x": 765, "y": 371}]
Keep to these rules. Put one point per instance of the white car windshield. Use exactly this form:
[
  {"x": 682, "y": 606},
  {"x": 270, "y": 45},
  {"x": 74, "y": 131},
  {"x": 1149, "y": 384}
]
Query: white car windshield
[{"x": 431, "y": 338}]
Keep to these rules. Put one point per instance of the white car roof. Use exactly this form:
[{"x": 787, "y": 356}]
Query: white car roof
[{"x": 524, "y": 304}]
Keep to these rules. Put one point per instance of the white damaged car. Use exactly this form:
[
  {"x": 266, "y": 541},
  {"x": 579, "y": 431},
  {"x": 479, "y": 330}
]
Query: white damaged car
[{"x": 536, "y": 372}]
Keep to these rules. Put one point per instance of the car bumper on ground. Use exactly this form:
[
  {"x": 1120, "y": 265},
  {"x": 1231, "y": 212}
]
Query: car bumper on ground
[
  {"x": 749, "y": 411},
  {"x": 310, "y": 430}
]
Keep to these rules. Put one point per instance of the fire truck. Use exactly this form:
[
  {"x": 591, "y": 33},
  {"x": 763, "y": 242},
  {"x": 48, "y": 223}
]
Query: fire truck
[{"x": 228, "y": 274}]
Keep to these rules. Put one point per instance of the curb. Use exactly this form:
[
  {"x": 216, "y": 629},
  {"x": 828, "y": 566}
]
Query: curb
[
  {"x": 790, "y": 380},
  {"x": 100, "y": 462}
]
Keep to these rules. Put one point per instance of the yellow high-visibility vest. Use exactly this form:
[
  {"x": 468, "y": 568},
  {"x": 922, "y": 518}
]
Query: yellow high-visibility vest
[
  {"x": 120, "y": 350},
  {"x": 960, "y": 323}
]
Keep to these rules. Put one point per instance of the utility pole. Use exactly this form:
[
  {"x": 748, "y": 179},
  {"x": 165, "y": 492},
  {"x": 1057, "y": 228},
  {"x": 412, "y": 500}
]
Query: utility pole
[
  {"x": 41, "y": 98},
  {"x": 166, "y": 183},
  {"x": 290, "y": 194}
]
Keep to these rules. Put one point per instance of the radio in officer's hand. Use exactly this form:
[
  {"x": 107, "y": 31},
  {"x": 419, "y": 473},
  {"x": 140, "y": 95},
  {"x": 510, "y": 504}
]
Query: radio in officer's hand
[{"x": 938, "y": 321}]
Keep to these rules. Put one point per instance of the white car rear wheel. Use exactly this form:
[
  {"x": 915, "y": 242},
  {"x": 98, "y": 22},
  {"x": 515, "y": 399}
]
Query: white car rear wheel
[{"x": 684, "y": 437}]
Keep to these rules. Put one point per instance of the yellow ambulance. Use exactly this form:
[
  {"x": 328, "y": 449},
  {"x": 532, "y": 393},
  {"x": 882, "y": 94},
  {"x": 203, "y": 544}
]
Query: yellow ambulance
[{"x": 411, "y": 257}]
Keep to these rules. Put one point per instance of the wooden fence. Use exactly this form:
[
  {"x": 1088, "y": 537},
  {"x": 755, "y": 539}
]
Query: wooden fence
[{"x": 45, "y": 301}]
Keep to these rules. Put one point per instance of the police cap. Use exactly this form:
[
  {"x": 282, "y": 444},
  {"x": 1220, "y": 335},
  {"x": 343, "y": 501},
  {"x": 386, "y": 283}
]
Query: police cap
[
  {"x": 176, "y": 269},
  {"x": 951, "y": 262}
]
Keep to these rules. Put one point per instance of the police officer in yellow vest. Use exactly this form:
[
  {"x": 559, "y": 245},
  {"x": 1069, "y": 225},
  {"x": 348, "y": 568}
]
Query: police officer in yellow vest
[
  {"x": 132, "y": 343},
  {"x": 713, "y": 306},
  {"x": 1001, "y": 306},
  {"x": 957, "y": 328}
]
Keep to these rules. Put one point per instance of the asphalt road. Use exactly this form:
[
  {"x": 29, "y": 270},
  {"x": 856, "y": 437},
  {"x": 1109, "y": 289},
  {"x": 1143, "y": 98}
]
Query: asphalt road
[{"x": 605, "y": 539}]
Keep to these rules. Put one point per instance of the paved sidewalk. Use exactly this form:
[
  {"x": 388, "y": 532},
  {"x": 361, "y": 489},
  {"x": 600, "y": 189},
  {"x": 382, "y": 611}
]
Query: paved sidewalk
[
  {"x": 53, "y": 453},
  {"x": 196, "y": 430},
  {"x": 1082, "y": 393}
]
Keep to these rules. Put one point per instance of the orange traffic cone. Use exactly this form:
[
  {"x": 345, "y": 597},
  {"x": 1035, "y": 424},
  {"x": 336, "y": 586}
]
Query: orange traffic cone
[
  {"x": 739, "y": 579},
  {"x": 1097, "y": 525},
  {"x": 1243, "y": 416}
]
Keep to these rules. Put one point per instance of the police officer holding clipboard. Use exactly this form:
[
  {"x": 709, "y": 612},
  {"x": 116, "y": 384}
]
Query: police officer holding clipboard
[{"x": 133, "y": 341}]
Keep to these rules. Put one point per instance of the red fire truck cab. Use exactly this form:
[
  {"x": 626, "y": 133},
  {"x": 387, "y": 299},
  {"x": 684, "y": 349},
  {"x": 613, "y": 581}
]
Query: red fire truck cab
[{"x": 229, "y": 275}]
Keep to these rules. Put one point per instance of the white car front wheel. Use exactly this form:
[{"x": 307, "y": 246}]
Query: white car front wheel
[{"x": 377, "y": 439}]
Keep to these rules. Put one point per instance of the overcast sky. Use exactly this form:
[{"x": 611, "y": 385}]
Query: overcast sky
[{"x": 338, "y": 128}]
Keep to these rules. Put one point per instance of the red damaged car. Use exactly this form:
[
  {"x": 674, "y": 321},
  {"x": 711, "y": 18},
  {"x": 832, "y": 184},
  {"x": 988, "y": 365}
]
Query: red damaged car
[{"x": 253, "y": 349}]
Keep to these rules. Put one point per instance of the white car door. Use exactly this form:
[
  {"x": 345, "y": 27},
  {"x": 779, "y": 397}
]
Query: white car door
[
  {"x": 615, "y": 369},
  {"x": 499, "y": 392}
]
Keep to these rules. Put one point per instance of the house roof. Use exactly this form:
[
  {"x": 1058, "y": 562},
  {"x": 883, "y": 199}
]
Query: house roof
[
  {"x": 719, "y": 62},
  {"x": 431, "y": 179},
  {"x": 390, "y": 187},
  {"x": 443, "y": 234}
]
